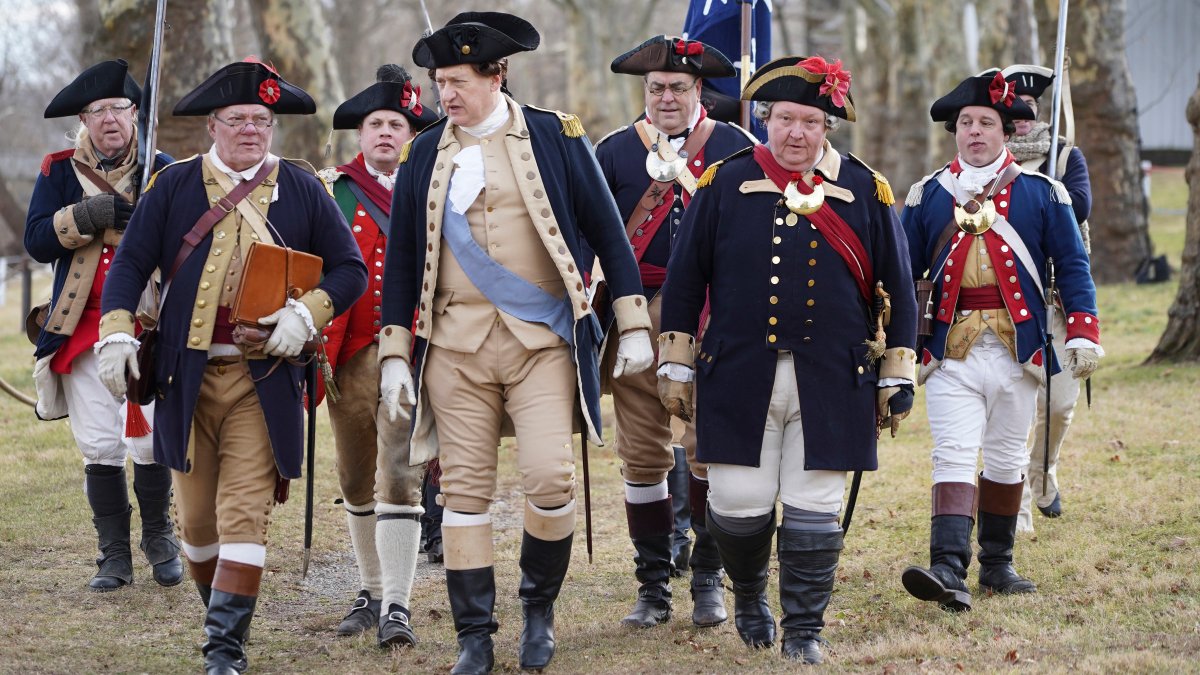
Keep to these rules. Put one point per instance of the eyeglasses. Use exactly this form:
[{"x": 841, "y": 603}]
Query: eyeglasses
[
  {"x": 99, "y": 113},
  {"x": 239, "y": 123},
  {"x": 677, "y": 88}
]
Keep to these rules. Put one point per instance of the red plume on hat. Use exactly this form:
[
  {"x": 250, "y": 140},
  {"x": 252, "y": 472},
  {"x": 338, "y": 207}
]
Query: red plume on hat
[{"x": 837, "y": 79}]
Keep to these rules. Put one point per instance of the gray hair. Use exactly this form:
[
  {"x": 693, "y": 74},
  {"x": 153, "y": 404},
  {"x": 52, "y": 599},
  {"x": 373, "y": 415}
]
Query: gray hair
[{"x": 762, "y": 111}]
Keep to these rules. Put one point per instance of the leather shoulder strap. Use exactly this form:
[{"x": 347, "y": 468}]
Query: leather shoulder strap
[
  {"x": 95, "y": 178},
  {"x": 222, "y": 208}
]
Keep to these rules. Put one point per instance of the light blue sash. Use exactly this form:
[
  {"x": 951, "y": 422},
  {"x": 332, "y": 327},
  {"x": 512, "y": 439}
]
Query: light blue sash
[{"x": 507, "y": 291}]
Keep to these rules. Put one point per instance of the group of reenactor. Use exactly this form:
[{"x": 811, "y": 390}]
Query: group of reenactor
[{"x": 490, "y": 273}]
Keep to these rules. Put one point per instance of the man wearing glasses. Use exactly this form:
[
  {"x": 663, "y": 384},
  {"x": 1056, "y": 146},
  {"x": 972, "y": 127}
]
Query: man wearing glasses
[
  {"x": 229, "y": 419},
  {"x": 81, "y": 204},
  {"x": 652, "y": 167}
]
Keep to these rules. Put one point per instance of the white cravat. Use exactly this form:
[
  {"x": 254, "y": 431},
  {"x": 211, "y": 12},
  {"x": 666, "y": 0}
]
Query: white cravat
[
  {"x": 386, "y": 179},
  {"x": 974, "y": 178},
  {"x": 239, "y": 176},
  {"x": 467, "y": 180}
]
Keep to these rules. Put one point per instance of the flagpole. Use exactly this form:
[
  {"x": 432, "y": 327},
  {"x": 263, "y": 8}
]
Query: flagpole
[{"x": 747, "y": 63}]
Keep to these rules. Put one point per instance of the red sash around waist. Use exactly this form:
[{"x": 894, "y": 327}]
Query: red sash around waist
[{"x": 987, "y": 297}]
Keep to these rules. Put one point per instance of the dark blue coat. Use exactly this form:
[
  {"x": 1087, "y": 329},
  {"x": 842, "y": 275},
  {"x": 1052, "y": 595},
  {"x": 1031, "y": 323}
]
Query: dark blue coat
[
  {"x": 581, "y": 206},
  {"x": 306, "y": 219},
  {"x": 1077, "y": 181},
  {"x": 727, "y": 247},
  {"x": 622, "y": 158},
  {"x": 1039, "y": 213},
  {"x": 57, "y": 186}
]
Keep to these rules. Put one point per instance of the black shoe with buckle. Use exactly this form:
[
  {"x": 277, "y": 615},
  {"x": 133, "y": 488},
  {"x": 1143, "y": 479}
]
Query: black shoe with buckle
[
  {"x": 363, "y": 615},
  {"x": 394, "y": 629}
]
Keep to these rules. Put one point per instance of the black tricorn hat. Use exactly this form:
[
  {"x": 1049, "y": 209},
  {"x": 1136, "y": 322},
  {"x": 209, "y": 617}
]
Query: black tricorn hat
[
  {"x": 988, "y": 89},
  {"x": 476, "y": 37},
  {"x": 393, "y": 91},
  {"x": 811, "y": 81},
  {"x": 107, "y": 79},
  {"x": 249, "y": 81},
  {"x": 1029, "y": 80},
  {"x": 674, "y": 55}
]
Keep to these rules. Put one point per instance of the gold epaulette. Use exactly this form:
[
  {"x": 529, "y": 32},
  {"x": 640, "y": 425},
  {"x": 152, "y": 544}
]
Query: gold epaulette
[
  {"x": 572, "y": 126},
  {"x": 154, "y": 175},
  {"x": 302, "y": 163},
  {"x": 883, "y": 189},
  {"x": 405, "y": 149},
  {"x": 706, "y": 178}
]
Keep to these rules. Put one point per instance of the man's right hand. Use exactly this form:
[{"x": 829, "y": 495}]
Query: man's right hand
[
  {"x": 676, "y": 395},
  {"x": 114, "y": 357},
  {"x": 395, "y": 383}
]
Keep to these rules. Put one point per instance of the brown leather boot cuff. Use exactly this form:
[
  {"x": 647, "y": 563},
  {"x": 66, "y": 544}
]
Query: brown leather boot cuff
[
  {"x": 202, "y": 572},
  {"x": 1001, "y": 499},
  {"x": 954, "y": 499},
  {"x": 237, "y": 578}
]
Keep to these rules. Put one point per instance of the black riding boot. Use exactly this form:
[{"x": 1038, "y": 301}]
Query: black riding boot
[
  {"x": 152, "y": 484},
  {"x": 807, "y": 563},
  {"x": 998, "y": 507},
  {"x": 651, "y": 527},
  {"x": 677, "y": 485},
  {"x": 109, "y": 498},
  {"x": 708, "y": 595},
  {"x": 230, "y": 610},
  {"x": 746, "y": 558},
  {"x": 949, "y": 550},
  {"x": 543, "y": 568},
  {"x": 472, "y": 602}
]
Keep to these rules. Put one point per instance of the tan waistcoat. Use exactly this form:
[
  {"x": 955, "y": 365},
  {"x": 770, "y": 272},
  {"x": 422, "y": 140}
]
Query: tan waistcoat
[
  {"x": 978, "y": 273},
  {"x": 501, "y": 225}
]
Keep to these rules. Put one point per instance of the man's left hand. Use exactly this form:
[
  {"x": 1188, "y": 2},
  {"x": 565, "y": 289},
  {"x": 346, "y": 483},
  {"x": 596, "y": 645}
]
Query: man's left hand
[
  {"x": 893, "y": 404},
  {"x": 634, "y": 353},
  {"x": 290, "y": 334}
]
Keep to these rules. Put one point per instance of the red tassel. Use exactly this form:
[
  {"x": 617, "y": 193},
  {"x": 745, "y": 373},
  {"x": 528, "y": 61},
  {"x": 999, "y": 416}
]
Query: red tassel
[{"x": 136, "y": 425}]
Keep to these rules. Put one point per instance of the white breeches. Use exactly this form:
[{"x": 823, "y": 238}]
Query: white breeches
[
  {"x": 745, "y": 491},
  {"x": 98, "y": 421},
  {"x": 983, "y": 401}
]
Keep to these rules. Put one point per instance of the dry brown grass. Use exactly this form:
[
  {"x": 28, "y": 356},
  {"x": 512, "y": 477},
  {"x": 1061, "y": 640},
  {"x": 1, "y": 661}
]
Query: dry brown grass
[{"x": 1116, "y": 575}]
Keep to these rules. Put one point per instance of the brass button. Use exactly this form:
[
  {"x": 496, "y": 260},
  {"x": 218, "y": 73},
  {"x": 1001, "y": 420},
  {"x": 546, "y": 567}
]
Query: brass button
[
  {"x": 204, "y": 285},
  {"x": 201, "y": 304},
  {"x": 774, "y": 280},
  {"x": 775, "y": 260},
  {"x": 811, "y": 282},
  {"x": 195, "y": 341},
  {"x": 812, "y": 262},
  {"x": 861, "y": 370},
  {"x": 772, "y": 321},
  {"x": 812, "y": 244},
  {"x": 776, "y": 240},
  {"x": 810, "y": 302},
  {"x": 774, "y": 300},
  {"x": 197, "y": 323},
  {"x": 210, "y": 269},
  {"x": 771, "y": 338},
  {"x": 216, "y": 252}
]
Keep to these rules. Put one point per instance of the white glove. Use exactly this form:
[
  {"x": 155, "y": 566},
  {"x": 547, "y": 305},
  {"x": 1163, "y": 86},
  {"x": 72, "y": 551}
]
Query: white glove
[
  {"x": 114, "y": 357},
  {"x": 290, "y": 334},
  {"x": 634, "y": 353},
  {"x": 396, "y": 380},
  {"x": 1082, "y": 362}
]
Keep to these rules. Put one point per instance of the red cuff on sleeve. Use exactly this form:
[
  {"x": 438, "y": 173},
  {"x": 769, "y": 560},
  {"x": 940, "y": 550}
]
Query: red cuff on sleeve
[{"x": 1083, "y": 325}]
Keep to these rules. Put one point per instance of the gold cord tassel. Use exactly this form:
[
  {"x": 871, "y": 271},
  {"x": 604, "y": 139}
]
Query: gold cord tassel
[
  {"x": 331, "y": 389},
  {"x": 883, "y": 190},
  {"x": 404, "y": 150},
  {"x": 571, "y": 125},
  {"x": 706, "y": 178},
  {"x": 329, "y": 145}
]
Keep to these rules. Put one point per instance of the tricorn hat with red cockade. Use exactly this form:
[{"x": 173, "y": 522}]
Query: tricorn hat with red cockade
[
  {"x": 394, "y": 91},
  {"x": 811, "y": 81},
  {"x": 988, "y": 89},
  {"x": 673, "y": 55},
  {"x": 246, "y": 82}
]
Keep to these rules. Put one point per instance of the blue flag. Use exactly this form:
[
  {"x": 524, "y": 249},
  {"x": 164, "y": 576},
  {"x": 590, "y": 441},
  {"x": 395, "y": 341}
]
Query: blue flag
[{"x": 718, "y": 23}]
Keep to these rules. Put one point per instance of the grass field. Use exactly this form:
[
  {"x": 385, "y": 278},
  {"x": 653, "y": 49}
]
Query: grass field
[{"x": 1117, "y": 574}]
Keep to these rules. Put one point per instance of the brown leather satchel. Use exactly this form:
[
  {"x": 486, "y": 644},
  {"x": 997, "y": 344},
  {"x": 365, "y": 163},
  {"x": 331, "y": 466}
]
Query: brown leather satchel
[{"x": 271, "y": 275}]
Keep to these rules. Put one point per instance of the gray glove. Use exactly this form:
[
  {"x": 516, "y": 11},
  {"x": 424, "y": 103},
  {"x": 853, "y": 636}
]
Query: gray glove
[
  {"x": 114, "y": 358},
  {"x": 100, "y": 212}
]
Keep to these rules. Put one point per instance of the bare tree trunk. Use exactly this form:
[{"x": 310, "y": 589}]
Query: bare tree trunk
[
  {"x": 1023, "y": 27},
  {"x": 12, "y": 213},
  {"x": 298, "y": 41},
  {"x": 1181, "y": 339},
  {"x": 1106, "y": 117}
]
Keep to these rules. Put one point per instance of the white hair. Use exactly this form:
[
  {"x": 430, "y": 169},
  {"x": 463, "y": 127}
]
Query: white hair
[{"x": 762, "y": 111}]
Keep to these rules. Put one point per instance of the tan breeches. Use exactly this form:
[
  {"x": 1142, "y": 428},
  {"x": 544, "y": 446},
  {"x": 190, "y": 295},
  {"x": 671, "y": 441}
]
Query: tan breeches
[
  {"x": 469, "y": 395},
  {"x": 228, "y": 496},
  {"x": 372, "y": 451},
  {"x": 645, "y": 431}
]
